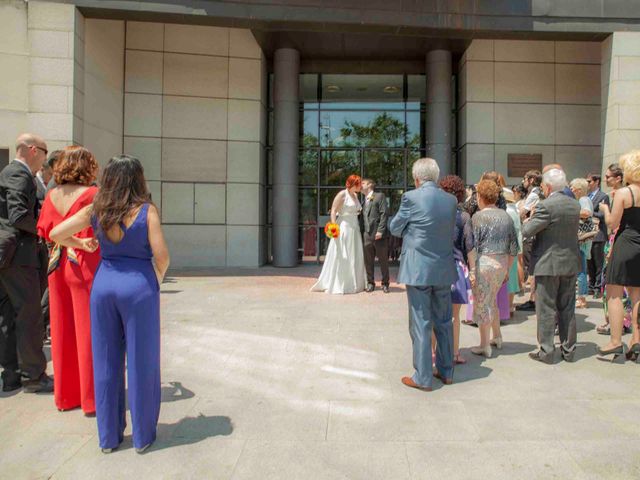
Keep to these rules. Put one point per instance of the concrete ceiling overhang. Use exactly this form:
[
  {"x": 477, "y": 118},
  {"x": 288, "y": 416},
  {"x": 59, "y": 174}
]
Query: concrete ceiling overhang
[{"x": 384, "y": 29}]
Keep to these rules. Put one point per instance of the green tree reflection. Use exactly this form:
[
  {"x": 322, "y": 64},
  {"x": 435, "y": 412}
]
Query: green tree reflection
[
  {"x": 383, "y": 130},
  {"x": 387, "y": 167}
]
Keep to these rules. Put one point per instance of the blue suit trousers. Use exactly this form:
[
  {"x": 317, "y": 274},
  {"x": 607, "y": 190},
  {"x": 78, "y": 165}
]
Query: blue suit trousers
[{"x": 430, "y": 310}]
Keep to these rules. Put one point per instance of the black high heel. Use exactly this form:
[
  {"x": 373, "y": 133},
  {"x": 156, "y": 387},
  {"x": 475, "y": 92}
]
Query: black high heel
[
  {"x": 634, "y": 353},
  {"x": 619, "y": 354}
]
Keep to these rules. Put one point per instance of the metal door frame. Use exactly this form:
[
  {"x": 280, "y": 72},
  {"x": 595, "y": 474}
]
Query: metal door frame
[{"x": 361, "y": 155}]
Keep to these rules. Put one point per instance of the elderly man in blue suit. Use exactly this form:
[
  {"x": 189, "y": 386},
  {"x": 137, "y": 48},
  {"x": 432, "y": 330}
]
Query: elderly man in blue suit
[{"x": 426, "y": 221}]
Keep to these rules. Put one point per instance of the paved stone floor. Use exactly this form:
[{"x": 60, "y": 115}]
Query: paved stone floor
[{"x": 264, "y": 380}]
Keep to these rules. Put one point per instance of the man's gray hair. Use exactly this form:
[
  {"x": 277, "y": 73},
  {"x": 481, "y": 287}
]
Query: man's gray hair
[
  {"x": 425, "y": 170},
  {"x": 556, "y": 179}
]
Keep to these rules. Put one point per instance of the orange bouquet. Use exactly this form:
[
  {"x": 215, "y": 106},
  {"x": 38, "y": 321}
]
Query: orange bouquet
[{"x": 332, "y": 230}]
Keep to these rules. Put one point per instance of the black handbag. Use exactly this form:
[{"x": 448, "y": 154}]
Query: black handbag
[{"x": 8, "y": 245}]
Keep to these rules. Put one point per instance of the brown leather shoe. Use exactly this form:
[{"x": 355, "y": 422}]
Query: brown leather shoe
[
  {"x": 408, "y": 381},
  {"x": 446, "y": 381}
]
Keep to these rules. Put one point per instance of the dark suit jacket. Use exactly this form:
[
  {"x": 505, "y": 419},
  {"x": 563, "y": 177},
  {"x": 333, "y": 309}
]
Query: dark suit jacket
[
  {"x": 599, "y": 198},
  {"x": 18, "y": 207},
  {"x": 554, "y": 224},
  {"x": 374, "y": 216}
]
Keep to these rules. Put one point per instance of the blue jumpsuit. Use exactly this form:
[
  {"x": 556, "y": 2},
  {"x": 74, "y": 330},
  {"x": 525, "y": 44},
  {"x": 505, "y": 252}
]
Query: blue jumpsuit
[{"x": 125, "y": 318}]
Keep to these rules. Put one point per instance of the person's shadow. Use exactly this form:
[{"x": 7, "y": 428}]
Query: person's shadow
[
  {"x": 174, "y": 391},
  {"x": 171, "y": 392},
  {"x": 187, "y": 431},
  {"x": 191, "y": 430}
]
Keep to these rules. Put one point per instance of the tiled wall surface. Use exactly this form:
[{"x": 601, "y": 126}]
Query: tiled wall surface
[
  {"x": 56, "y": 87},
  {"x": 103, "y": 74},
  {"x": 529, "y": 97},
  {"x": 620, "y": 95},
  {"x": 14, "y": 65},
  {"x": 41, "y": 53},
  {"x": 194, "y": 113},
  {"x": 188, "y": 100}
]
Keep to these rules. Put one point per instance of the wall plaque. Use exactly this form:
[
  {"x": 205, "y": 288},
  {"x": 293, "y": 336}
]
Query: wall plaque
[{"x": 520, "y": 163}]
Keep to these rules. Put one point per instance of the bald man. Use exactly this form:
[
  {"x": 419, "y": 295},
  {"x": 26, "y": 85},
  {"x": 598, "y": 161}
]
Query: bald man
[{"x": 21, "y": 326}]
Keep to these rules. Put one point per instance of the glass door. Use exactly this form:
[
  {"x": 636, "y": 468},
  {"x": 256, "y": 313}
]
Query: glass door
[{"x": 387, "y": 167}]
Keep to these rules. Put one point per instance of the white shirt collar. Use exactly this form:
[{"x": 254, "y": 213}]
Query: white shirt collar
[
  {"x": 40, "y": 180},
  {"x": 23, "y": 163}
]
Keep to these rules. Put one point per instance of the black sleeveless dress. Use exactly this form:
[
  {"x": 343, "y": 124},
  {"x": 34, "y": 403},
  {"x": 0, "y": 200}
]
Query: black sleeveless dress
[{"x": 624, "y": 267}]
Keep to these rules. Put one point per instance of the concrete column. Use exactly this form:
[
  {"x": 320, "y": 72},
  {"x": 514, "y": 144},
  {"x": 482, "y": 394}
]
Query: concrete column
[
  {"x": 620, "y": 79},
  {"x": 438, "y": 132},
  {"x": 286, "y": 66}
]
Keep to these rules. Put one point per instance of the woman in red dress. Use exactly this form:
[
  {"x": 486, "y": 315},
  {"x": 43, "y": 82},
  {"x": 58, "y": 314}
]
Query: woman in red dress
[{"x": 71, "y": 272}]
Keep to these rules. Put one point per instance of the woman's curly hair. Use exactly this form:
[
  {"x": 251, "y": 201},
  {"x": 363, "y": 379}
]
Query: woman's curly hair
[
  {"x": 454, "y": 185},
  {"x": 77, "y": 165},
  {"x": 489, "y": 191}
]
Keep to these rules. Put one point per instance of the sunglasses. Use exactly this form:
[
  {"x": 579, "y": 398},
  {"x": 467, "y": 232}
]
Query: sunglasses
[{"x": 44, "y": 150}]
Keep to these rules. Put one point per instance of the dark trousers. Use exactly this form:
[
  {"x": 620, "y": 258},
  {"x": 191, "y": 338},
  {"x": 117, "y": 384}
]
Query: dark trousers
[
  {"x": 556, "y": 299},
  {"x": 595, "y": 265},
  {"x": 379, "y": 248},
  {"x": 21, "y": 327}
]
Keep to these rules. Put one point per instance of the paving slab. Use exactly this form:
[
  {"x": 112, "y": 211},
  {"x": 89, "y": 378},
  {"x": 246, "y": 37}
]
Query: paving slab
[{"x": 263, "y": 379}]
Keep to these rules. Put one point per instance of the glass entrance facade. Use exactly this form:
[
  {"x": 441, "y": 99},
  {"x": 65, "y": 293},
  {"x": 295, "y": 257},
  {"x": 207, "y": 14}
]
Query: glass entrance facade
[{"x": 369, "y": 125}]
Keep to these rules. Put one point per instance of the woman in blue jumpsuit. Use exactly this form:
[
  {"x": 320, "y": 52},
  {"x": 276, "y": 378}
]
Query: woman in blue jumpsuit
[{"x": 125, "y": 302}]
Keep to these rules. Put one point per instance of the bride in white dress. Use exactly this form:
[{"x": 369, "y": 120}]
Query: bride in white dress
[{"x": 343, "y": 270}]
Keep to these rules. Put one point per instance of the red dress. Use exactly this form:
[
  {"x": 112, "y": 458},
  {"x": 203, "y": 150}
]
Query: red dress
[{"x": 69, "y": 290}]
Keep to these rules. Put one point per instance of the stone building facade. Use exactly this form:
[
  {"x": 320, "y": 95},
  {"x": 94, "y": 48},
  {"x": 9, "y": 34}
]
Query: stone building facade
[{"x": 212, "y": 97}]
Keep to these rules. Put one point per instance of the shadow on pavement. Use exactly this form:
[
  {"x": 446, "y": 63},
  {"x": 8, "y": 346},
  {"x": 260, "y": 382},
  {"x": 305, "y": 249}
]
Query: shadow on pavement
[
  {"x": 170, "y": 392},
  {"x": 187, "y": 431},
  {"x": 174, "y": 391},
  {"x": 514, "y": 348},
  {"x": 191, "y": 430},
  {"x": 468, "y": 373},
  {"x": 582, "y": 325},
  {"x": 585, "y": 350}
]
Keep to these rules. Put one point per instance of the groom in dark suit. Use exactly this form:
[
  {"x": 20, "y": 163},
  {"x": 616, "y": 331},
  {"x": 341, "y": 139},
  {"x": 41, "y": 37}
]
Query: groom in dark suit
[{"x": 375, "y": 234}]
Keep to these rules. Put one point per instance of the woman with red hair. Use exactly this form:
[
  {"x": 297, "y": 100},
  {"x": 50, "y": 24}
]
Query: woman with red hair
[
  {"x": 71, "y": 270},
  {"x": 343, "y": 270}
]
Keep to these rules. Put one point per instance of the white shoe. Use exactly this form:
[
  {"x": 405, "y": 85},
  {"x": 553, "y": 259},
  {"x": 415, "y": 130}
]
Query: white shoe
[
  {"x": 497, "y": 342},
  {"x": 143, "y": 449},
  {"x": 485, "y": 351}
]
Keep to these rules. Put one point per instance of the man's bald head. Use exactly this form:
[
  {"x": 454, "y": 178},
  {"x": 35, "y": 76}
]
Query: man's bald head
[
  {"x": 552, "y": 166},
  {"x": 29, "y": 139},
  {"x": 31, "y": 149}
]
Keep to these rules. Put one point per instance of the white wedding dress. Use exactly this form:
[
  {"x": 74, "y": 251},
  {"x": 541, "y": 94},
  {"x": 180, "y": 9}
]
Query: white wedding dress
[{"x": 343, "y": 270}]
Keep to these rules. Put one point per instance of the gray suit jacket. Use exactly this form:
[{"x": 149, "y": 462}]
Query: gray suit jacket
[
  {"x": 425, "y": 221},
  {"x": 555, "y": 227},
  {"x": 374, "y": 215},
  {"x": 599, "y": 198}
]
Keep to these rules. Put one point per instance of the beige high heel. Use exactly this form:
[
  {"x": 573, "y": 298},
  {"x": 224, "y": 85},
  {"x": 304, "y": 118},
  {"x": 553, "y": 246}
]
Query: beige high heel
[
  {"x": 485, "y": 351},
  {"x": 496, "y": 342}
]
